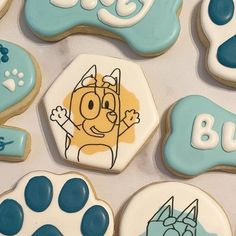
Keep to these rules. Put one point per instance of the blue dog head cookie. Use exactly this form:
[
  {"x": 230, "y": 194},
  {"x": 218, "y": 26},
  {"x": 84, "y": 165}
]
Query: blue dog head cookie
[
  {"x": 129, "y": 20},
  {"x": 45, "y": 204},
  {"x": 202, "y": 137}
]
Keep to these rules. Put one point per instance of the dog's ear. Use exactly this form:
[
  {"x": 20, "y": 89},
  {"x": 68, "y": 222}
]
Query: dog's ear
[
  {"x": 112, "y": 81},
  {"x": 88, "y": 79}
]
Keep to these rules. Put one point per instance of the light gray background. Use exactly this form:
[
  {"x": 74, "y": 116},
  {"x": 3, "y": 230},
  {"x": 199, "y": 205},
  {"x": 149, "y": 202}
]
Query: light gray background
[{"x": 177, "y": 73}]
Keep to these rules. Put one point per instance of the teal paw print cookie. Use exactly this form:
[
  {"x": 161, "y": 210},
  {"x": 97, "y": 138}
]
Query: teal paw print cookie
[
  {"x": 45, "y": 204},
  {"x": 20, "y": 81},
  {"x": 122, "y": 19}
]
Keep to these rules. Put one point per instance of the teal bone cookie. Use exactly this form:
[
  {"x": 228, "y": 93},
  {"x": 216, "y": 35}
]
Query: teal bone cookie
[
  {"x": 150, "y": 27},
  {"x": 19, "y": 84},
  {"x": 201, "y": 138}
]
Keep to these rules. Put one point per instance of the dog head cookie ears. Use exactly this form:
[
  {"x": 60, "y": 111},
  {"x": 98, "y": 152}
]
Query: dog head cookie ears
[
  {"x": 47, "y": 204},
  {"x": 125, "y": 19},
  {"x": 173, "y": 209},
  {"x": 102, "y": 108},
  {"x": 19, "y": 84},
  {"x": 201, "y": 137},
  {"x": 217, "y": 20}
]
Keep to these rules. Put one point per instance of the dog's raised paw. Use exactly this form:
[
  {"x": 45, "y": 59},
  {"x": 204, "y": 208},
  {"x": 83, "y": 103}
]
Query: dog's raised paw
[
  {"x": 45, "y": 204},
  {"x": 217, "y": 21}
]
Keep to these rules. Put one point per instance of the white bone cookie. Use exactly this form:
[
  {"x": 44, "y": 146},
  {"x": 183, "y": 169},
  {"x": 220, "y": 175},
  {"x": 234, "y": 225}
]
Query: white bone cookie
[
  {"x": 101, "y": 112},
  {"x": 173, "y": 209}
]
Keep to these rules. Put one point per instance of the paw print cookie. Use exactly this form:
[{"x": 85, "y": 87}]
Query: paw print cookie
[
  {"x": 19, "y": 83},
  {"x": 173, "y": 209},
  {"x": 45, "y": 204},
  {"x": 216, "y": 29},
  {"x": 122, "y": 19},
  {"x": 4, "y": 6},
  {"x": 99, "y": 108},
  {"x": 204, "y": 140}
]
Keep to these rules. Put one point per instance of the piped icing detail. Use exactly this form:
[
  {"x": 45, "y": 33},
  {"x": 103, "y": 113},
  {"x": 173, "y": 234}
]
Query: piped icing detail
[
  {"x": 203, "y": 141},
  {"x": 34, "y": 207},
  {"x": 173, "y": 209},
  {"x": 126, "y": 19},
  {"x": 101, "y": 112}
]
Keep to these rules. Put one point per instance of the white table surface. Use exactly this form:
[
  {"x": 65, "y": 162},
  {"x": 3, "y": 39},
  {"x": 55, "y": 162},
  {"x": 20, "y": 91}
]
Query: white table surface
[{"x": 177, "y": 73}]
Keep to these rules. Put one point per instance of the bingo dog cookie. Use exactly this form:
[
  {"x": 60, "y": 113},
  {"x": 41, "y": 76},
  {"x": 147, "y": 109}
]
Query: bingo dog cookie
[
  {"x": 216, "y": 29},
  {"x": 173, "y": 209},
  {"x": 201, "y": 137},
  {"x": 122, "y": 19},
  {"x": 19, "y": 83},
  {"x": 45, "y": 204},
  {"x": 101, "y": 112},
  {"x": 4, "y": 6}
]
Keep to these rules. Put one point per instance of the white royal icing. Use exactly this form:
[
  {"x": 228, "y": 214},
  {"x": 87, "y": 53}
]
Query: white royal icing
[
  {"x": 138, "y": 109},
  {"x": 64, "y": 3},
  {"x": 9, "y": 84},
  {"x": 138, "y": 219},
  {"x": 203, "y": 128},
  {"x": 228, "y": 134},
  {"x": 124, "y": 8}
]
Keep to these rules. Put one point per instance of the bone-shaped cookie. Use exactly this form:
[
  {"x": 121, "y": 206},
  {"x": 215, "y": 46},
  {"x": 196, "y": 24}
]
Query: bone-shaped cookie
[
  {"x": 19, "y": 83},
  {"x": 201, "y": 137},
  {"x": 124, "y": 19}
]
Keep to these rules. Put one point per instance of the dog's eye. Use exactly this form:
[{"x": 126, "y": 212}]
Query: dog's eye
[
  {"x": 109, "y": 102},
  {"x": 91, "y": 105}
]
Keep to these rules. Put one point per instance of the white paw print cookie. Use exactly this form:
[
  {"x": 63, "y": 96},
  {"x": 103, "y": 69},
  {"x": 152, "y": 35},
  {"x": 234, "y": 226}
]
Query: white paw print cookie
[
  {"x": 101, "y": 112},
  {"x": 45, "y": 204},
  {"x": 217, "y": 31},
  {"x": 13, "y": 78}
]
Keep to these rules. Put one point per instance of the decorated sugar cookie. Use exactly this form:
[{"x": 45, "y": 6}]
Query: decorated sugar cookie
[
  {"x": 201, "y": 137},
  {"x": 4, "y": 6},
  {"x": 173, "y": 209},
  {"x": 19, "y": 84},
  {"x": 122, "y": 19},
  {"x": 45, "y": 204},
  {"x": 216, "y": 29},
  {"x": 101, "y": 112}
]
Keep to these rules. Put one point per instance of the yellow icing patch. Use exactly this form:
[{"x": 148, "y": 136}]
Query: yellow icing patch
[{"x": 99, "y": 113}]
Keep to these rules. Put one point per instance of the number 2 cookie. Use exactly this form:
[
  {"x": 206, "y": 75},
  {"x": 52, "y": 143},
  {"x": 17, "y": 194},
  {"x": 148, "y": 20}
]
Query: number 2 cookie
[
  {"x": 173, "y": 209},
  {"x": 101, "y": 112},
  {"x": 19, "y": 83},
  {"x": 123, "y": 19},
  {"x": 200, "y": 137},
  {"x": 4, "y": 6},
  {"x": 45, "y": 204},
  {"x": 217, "y": 31}
]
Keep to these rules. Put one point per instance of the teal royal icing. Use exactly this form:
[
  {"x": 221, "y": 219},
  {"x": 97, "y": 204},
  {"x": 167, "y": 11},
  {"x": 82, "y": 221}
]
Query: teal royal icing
[
  {"x": 179, "y": 154},
  {"x": 14, "y": 86},
  {"x": 12, "y": 142},
  {"x": 156, "y": 32}
]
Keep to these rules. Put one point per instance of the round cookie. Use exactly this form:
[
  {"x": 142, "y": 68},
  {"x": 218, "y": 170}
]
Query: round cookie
[
  {"x": 122, "y": 19},
  {"x": 46, "y": 204},
  {"x": 202, "y": 141},
  {"x": 99, "y": 108},
  {"x": 4, "y": 6},
  {"x": 216, "y": 29},
  {"x": 20, "y": 81},
  {"x": 173, "y": 209}
]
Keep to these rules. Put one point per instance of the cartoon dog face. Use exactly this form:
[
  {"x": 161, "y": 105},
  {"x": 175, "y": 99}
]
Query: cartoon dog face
[{"x": 95, "y": 103}]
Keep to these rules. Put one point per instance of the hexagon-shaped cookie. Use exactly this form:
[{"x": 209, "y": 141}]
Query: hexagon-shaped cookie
[{"x": 101, "y": 112}]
